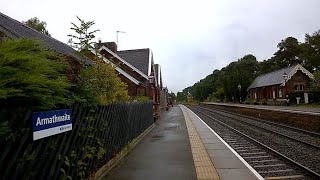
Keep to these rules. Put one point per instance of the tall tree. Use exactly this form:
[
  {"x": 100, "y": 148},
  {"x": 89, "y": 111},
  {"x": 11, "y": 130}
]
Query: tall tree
[
  {"x": 38, "y": 25},
  {"x": 315, "y": 84},
  {"x": 311, "y": 51},
  {"x": 98, "y": 84},
  {"x": 172, "y": 96},
  {"x": 82, "y": 39},
  {"x": 289, "y": 52}
]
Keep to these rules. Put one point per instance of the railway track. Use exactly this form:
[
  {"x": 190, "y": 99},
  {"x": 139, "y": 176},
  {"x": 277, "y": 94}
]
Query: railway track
[
  {"x": 309, "y": 138},
  {"x": 269, "y": 161}
]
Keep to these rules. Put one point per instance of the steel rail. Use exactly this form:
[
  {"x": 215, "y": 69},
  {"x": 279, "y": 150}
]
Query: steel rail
[
  {"x": 304, "y": 168},
  {"x": 265, "y": 129},
  {"x": 273, "y": 123}
]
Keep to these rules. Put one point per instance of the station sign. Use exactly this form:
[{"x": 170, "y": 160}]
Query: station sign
[{"x": 48, "y": 123}]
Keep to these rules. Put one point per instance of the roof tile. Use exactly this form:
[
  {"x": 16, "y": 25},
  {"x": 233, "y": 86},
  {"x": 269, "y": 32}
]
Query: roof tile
[
  {"x": 272, "y": 78},
  {"x": 139, "y": 58}
]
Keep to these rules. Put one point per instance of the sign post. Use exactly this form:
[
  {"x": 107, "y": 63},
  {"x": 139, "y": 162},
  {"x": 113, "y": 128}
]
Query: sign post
[{"x": 49, "y": 123}]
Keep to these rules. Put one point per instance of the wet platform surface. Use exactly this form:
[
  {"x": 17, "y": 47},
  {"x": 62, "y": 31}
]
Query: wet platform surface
[
  {"x": 182, "y": 146},
  {"x": 164, "y": 153}
]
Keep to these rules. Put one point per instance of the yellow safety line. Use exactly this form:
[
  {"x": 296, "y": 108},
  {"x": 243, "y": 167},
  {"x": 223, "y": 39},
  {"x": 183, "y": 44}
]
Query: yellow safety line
[{"x": 204, "y": 168}]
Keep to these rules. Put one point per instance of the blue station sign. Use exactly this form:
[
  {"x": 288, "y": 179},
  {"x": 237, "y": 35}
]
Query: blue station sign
[{"x": 48, "y": 123}]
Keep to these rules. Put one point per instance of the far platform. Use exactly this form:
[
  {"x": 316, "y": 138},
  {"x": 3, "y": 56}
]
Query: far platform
[{"x": 289, "y": 109}]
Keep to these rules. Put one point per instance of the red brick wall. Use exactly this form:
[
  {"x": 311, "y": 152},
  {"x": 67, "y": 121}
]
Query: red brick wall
[
  {"x": 132, "y": 88},
  {"x": 267, "y": 92},
  {"x": 297, "y": 79}
]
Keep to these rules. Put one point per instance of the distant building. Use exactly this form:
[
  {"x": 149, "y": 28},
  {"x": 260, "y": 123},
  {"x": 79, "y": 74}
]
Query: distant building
[
  {"x": 189, "y": 97},
  {"x": 279, "y": 85},
  {"x": 133, "y": 75},
  {"x": 143, "y": 76}
]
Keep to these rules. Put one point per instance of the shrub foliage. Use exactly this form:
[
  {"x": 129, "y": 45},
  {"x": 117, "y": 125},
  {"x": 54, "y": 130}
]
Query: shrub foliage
[{"x": 31, "y": 75}]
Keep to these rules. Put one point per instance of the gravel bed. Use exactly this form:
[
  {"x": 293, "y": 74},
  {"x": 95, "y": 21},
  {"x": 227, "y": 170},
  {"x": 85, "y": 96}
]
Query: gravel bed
[
  {"x": 299, "y": 153},
  {"x": 315, "y": 140}
]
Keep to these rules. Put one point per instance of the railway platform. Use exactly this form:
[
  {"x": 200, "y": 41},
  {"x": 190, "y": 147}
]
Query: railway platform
[
  {"x": 182, "y": 146},
  {"x": 299, "y": 117},
  {"x": 288, "y": 109}
]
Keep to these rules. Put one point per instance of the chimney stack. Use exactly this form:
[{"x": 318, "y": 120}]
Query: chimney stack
[{"x": 110, "y": 45}]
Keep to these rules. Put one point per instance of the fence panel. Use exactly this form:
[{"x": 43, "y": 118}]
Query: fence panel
[{"x": 98, "y": 134}]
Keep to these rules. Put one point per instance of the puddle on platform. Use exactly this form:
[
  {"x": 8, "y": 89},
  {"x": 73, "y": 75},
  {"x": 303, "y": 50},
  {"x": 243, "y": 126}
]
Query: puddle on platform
[{"x": 156, "y": 138}]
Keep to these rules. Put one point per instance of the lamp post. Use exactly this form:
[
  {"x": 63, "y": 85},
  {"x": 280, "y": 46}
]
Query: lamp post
[{"x": 239, "y": 87}]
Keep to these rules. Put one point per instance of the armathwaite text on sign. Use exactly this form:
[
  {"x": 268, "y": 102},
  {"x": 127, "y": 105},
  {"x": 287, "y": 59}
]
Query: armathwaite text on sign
[{"x": 48, "y": 123}]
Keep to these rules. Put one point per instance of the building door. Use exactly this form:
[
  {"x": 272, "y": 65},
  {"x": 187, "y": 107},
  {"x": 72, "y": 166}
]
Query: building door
[{"x": 306, "y": 98}]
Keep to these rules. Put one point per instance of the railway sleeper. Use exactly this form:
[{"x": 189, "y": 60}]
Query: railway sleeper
[
  {"x": 244, "y": 147},
  {"x": 264, "y": 161},
  {"x": 252, "y": 153},
  {"x": 248, "y": 150},
  {"x": 285, "y": 177}
]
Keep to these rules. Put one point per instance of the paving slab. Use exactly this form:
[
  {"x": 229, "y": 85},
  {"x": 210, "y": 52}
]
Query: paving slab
[{"x": 164, "y": 153}]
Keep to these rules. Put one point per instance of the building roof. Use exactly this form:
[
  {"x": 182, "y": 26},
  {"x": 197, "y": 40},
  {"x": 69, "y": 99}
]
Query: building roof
[
  {"x": 123, "y": 61},
  {"x": 20, "y": 30},
  {"x": 139, "y": 58},
  {"x": 118, "y": 69},
  {"x": 276, "y": 77}
]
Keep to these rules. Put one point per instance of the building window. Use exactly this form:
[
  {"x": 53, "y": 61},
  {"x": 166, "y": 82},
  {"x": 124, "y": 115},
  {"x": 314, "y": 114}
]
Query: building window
[
  {"x": 273, "y": 94},
  {"x": 255, "y": 95},
  {"x": 280, "y": 93},
  {"x": 301, "y": 87}
]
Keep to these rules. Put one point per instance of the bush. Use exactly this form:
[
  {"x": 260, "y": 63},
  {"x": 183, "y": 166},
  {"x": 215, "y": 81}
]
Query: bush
[
  {"x": 314, "y": 97},
  {"x": 141, "y": 99},
  {"x": 99, "y": 85},
  {"x": 31, "y": 75},
  {"x": 293, "y": 97}
]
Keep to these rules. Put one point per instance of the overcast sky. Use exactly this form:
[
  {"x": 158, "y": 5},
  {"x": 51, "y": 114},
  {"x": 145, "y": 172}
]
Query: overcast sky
[{"x": 189, "y": 39}]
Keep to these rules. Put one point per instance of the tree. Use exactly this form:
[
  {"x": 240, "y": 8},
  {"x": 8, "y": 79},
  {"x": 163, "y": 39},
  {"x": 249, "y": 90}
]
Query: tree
[
  {"x": 311, "y": 51},
  {"x": 83, "y": 36},
  {"x": 182, "y": 96},
  {"x": 315, "y": 84},
  {"x": 38, "y": 25},
  {"x": 172, "y": 96},
  {"x": 217, "y": 95},
  {"x": 31, "y": 75},
  {"x": 289, "y": 52},
  {"x": 98, "y": 84},
  {"x": 224, "y": 83}
]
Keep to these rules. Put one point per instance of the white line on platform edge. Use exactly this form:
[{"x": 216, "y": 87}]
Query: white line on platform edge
[{"x": 231, "y": 149}]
